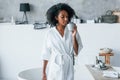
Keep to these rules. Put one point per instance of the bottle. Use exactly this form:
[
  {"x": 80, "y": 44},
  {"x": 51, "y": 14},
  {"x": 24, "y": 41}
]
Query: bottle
[{"x": 12, "y": 20}]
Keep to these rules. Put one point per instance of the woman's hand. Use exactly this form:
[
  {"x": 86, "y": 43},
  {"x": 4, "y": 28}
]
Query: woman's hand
[
  {"x": 74, "y": 31},
  {"x": 44, "y": 77}
]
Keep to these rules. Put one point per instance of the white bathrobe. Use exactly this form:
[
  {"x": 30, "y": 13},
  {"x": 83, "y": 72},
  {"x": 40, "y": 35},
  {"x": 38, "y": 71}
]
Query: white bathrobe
[{"x": 59, "y": 52}]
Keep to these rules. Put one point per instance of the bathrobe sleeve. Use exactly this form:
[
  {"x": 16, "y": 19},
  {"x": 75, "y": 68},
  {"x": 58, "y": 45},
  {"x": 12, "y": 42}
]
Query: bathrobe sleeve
[
  {"x": 46, "y": 48},
  {"x": 80, "y": 46}
]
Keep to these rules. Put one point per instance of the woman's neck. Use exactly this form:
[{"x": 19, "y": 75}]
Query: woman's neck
[{"x": 60, "y": 29}]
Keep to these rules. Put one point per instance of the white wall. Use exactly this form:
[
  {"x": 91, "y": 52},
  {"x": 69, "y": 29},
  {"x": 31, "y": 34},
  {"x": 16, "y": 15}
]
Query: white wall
[{"x": 21, "y": 45}]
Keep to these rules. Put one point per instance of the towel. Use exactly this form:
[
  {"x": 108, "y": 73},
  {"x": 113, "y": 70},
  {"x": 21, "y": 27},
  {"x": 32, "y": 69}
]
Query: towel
[{"x": 111, "y": 74}]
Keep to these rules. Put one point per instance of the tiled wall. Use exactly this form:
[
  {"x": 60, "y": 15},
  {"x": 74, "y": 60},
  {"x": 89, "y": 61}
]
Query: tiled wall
[{"x": 85, "y": 9}]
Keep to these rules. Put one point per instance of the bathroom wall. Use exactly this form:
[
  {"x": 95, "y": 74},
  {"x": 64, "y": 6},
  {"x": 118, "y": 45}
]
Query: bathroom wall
[{"x": 85, "y": 9}]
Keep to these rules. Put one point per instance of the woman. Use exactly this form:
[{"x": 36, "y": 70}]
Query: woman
[{"x": 60, "y": 44}]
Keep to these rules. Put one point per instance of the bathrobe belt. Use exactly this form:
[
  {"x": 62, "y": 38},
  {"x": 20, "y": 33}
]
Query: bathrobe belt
[{"x": 61, "y": 58}]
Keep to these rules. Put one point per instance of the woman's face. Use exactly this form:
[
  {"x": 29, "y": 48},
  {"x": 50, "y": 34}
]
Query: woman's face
[{"x": 62, "y": 18}]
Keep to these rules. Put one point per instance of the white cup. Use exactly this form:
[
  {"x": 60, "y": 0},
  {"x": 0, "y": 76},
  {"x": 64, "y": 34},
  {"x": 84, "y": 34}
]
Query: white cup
[{"x": 70, "y": 26}]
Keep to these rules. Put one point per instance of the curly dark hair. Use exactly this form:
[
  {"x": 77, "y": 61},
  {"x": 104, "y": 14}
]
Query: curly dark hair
[{"x": 54, "y": 11}]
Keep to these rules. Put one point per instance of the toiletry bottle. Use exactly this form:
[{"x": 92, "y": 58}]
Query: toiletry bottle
[{"x": 12, "y": 20}]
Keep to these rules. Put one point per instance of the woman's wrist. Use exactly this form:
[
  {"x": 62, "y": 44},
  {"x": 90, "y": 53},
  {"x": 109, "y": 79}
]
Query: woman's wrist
[
  {"x": 44, "y": 73},
  {"x": 74, "y": 38}
]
